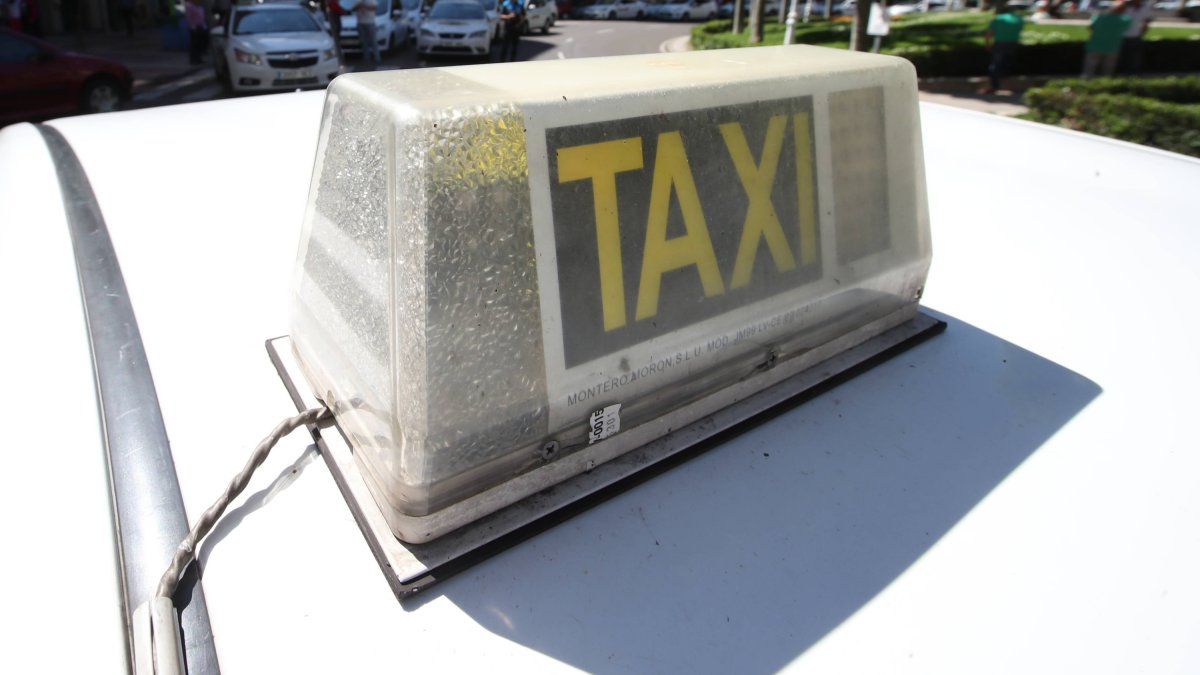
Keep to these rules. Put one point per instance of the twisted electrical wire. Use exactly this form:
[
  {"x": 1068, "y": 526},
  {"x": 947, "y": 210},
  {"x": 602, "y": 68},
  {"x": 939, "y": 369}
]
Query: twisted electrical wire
[{"x": 187, "y": 548}]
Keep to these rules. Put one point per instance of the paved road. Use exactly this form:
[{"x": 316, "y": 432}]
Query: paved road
[{"x": 567, "y": 39}]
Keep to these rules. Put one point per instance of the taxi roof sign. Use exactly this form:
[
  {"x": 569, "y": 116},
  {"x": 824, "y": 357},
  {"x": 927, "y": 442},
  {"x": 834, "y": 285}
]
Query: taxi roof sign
[{"x": 509, "y": 274}]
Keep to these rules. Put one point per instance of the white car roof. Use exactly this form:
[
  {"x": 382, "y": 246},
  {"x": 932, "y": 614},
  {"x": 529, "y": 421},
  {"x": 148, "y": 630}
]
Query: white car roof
[{"x": 1015, "y": 495}]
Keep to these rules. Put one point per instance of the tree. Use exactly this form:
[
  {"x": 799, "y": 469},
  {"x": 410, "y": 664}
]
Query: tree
[
  {"x": 862, "y": 13},
  {"x": 738, "y": 6},
  {"x": 756, "y": 24}
]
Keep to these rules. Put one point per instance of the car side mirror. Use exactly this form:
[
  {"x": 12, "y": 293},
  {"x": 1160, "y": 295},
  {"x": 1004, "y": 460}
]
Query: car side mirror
[
  {"x": 217, "y": 31},
  {"x": 397, "y": 13}
]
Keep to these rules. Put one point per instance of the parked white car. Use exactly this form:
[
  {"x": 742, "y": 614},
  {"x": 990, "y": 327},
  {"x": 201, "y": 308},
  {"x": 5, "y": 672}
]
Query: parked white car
[
  {"x": 268, "y": 47},
  {"x": 684, "y": 10},
  {"x": 1015, "y": 495},
  {"x": 455, "y": 28},
  {"x": 616, "y": 9},
  {"x": 391, "y": 26},
  {"x": 492, "y": 9},
  {"x": 412, "y": 17},
  {"x": 540, "y": 15},
  {"x": 770, "y": 8}
]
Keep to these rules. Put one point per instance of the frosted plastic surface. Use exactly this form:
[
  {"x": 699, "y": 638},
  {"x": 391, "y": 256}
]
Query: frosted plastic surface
[{"x": 454, "y": 299}]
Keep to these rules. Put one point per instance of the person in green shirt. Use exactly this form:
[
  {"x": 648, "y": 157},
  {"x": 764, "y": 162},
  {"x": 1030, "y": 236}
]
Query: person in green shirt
[
  {"x": 1001, "y": 38},
  {"x": 1104, "y": 47}
]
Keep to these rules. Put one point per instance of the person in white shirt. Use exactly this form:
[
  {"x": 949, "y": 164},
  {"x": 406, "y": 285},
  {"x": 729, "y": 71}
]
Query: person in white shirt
[{"x": 364, "y": 13}]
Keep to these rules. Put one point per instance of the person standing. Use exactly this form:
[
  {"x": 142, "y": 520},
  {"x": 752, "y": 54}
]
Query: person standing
[
  {"x": 334, "y": 12},
  {"x": 512, "y": 13},
  {"x": 1001, "y": 38},
  {"x": 1104, "y": 47},
  {"x": 197, "y": 24},
  {"x": 1131, "y": 42},
  {"x": 125, "y": 9},
  {"x": 364, "y": 14}
]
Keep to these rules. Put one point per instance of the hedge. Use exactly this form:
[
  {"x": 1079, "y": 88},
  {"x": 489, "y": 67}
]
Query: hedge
[
  {"x": 953, "y": 46},
  {"x": 1170, "y": 89},
  {"x": 1161, "y": 112},
  {"x": 1159, "y": 56}
]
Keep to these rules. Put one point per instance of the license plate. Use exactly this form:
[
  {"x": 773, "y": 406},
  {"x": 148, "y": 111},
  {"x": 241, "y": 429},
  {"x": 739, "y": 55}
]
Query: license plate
[{"x": 299, "y": 74}]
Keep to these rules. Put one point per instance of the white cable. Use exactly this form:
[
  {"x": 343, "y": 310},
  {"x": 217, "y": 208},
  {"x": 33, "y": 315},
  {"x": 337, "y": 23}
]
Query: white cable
[
  {"x": 187, "y": 548},
  {"x": 157, "y": 649}
]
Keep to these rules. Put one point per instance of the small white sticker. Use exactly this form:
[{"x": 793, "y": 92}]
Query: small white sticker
[{"x": 604, "y": 423}]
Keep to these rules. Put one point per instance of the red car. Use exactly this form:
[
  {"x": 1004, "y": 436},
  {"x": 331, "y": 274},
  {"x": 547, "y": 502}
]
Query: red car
[{"x": 39, "y": 80}]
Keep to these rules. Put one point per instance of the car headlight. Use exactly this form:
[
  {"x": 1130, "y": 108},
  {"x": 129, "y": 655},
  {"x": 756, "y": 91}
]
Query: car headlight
[
  {"x": 478, "y": 34},
  {"x": 427, "y": 33},
  {"x": 247, "y": 57},
  {"x": 329, "y": 54}
]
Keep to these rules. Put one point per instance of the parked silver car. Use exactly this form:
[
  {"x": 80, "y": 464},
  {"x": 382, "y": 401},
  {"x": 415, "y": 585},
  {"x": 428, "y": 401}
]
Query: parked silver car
[
  {"x": 540, "y": 15},
  {"x": 392, "y": 23},
  {"x": 455, "y": 28},
  {"x": 273, "y": 47},
  {"x": 616, "y": 9},
  {"x": 684, "y": 10}
]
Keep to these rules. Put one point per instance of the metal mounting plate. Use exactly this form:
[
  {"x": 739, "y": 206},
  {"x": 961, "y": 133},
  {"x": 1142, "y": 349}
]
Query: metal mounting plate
[{"x": 411, "y": 568}]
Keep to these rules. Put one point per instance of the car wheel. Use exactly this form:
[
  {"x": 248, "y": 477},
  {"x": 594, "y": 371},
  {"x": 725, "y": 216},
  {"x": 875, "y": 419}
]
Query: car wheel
[
  {"x": 712, "y": 15},
  {"x": 101, "y": 94},
  {"x": 546, "y": 27},
  {"x": 640, "y": 14},
  {"x": 612, "y": 15}
]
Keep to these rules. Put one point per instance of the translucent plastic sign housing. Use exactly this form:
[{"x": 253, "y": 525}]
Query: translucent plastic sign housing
[{"x": 509, "y": 273}]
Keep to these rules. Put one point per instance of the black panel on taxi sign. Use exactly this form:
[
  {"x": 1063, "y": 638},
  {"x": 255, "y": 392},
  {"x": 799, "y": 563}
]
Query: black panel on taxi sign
[{"x": 695, "y": 213}]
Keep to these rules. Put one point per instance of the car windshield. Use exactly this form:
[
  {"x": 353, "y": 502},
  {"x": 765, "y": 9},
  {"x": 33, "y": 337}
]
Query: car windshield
[
  {"x": 411, "y": 4},
  {"x": 274, "y": 21},
  {"x": 456, "y": 10}
]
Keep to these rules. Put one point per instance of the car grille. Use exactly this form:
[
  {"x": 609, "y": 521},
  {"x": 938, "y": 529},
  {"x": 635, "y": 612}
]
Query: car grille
[
  {"x": 304, "y": 82},
  {"x": 453, "y": 36},
  {"x": 292, "y": 59}
]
